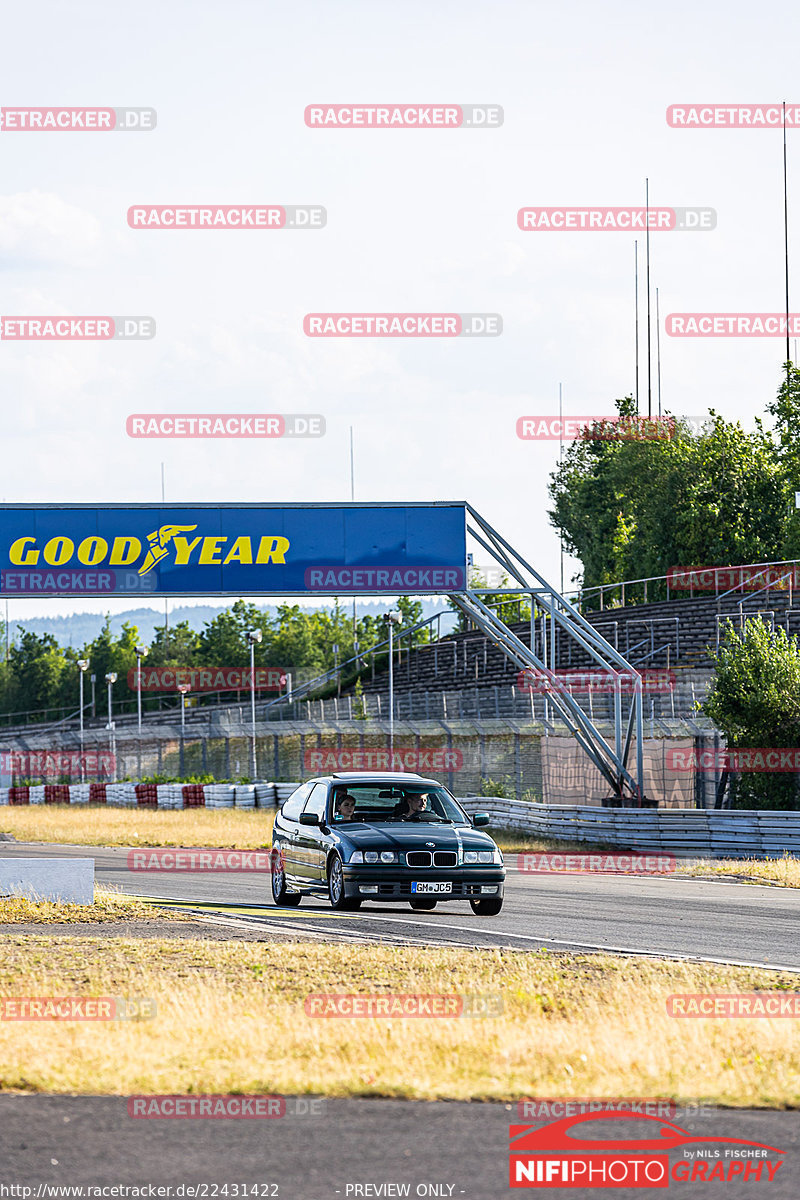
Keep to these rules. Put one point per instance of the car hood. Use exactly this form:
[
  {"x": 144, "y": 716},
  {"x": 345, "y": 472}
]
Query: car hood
[{"x": 408, "y": 835}]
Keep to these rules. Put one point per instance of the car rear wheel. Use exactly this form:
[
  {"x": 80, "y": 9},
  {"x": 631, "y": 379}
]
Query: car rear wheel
[
  {"x": 423, "y": 902},
  {"x": 486, "y": 908},
  {"x": 336, "y": 887},
  {"x": 279, "y": 893}
]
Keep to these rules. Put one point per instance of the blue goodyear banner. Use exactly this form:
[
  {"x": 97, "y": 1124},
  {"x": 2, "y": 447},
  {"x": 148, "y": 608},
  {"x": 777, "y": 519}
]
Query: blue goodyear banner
[{"x": 232, "y": 549}]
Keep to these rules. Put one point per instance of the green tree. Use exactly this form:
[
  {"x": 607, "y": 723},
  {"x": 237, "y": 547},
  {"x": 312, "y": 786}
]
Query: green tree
[
  {"x": 755, "y": 701},
  {"x": 223, "y": 640},
  {"x": 785, "y": 409},
  {"x": 173, "y": 646},
  {"x": 632, "y": 507},
  {"x": 36, "y": 667}
]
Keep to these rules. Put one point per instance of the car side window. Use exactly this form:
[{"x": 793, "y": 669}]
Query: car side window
[
  {"x": 317, "y": 800},
  {"x": 294, "y": 805}
]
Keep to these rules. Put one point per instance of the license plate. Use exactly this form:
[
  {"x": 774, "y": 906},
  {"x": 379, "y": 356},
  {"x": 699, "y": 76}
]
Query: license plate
[{"x": 429, "y": 886}]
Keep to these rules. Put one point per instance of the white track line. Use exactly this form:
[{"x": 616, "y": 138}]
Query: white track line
[{"x": 525, "y": 937}]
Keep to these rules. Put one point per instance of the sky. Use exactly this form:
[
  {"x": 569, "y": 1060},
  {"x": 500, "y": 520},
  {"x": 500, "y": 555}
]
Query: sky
[{"x": 417, "y": 221}]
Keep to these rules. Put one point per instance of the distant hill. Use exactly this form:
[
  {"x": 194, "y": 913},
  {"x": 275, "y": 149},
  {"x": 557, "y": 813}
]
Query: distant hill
[{"x": 77, "y": 629}]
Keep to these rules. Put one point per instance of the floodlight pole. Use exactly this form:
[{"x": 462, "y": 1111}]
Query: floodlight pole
[
  {"x": 394, "y": 618},
  {"x": 141, "y": 651},
  {"x": 253, "y": 636},
  {"x": 183, "y": 688},
  {"x": 83, "y": 666},
  {"x": 111, "y": 679}
]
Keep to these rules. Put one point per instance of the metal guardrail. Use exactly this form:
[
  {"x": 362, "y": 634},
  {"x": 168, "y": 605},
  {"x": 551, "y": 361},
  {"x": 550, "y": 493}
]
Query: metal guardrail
[
  {"x": 600, "y": 589},
  {"x": 695, "y": 833}
]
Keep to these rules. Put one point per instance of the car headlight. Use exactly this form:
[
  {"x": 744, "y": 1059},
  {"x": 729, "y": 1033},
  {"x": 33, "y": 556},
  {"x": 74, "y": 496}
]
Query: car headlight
[
  {"x": 470, "y": 856},
  {"x": 373, "y": 856},
  {"x": 485, "y": 856}
]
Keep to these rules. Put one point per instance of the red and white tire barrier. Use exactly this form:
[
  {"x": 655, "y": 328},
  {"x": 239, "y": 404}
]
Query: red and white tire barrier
[{"x": 151, "y": 795}]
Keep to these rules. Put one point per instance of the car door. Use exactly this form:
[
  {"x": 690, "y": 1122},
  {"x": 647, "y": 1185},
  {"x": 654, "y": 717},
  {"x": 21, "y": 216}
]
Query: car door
[
  {"x": 286, "y": 830},
  {"x": 311, "y": 841}
]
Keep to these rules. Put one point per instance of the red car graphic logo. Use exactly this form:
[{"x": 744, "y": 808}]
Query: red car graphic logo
[{"x": 555, "y": 1135}]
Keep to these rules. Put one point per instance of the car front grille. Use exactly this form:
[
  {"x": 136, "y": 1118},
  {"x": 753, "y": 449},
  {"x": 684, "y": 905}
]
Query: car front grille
[{"x": 424, "y": 858}]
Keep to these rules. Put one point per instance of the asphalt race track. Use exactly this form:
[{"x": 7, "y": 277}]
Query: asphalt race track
[
  {"x": 367, "y": 1149},
  {"x": 658, "y": 915},
  {"x": 461, "y": 1150}
]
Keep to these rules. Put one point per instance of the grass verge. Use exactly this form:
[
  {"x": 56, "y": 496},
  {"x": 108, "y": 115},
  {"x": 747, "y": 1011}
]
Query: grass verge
[
  {"x": 108, "y": 906},
  {"x": 96, "y": 825},
  {"x": 230, "y": 1018},
  {"x": 783, "y": 871}
]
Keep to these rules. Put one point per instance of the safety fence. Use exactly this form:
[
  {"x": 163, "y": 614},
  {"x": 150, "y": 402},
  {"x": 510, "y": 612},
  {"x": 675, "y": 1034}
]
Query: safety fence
[
  {"x": 691, "y": 832},
  {"x": 472, "y": 757}
]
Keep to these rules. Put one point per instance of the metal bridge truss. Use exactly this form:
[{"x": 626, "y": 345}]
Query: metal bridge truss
[{"x": 626, "y": 784}]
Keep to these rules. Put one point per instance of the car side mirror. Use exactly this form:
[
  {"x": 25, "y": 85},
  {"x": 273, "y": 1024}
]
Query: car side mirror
[
  {"x": 310, "y": 819},
  {"x": 480, "y": 818}
]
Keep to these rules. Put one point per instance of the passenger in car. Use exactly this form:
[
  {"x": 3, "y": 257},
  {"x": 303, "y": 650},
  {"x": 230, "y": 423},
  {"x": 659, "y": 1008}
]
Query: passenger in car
[{"x": 345, "y": 807}]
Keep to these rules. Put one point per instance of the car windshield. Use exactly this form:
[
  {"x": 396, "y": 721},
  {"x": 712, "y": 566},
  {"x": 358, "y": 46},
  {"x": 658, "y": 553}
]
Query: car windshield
[{"x": 395, "y": 802}]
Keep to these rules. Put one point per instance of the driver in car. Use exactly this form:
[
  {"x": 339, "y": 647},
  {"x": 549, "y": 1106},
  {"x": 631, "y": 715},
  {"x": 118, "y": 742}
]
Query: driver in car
[{"x": 410, "y": 805}]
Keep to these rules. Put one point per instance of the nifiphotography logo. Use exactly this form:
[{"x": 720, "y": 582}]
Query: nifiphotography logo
[{"x": 566, "y": 1154}]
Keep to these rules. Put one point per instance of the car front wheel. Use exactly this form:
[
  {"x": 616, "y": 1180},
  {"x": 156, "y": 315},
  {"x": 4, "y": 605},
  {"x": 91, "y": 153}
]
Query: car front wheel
[
  {"x": 336, "y": 887},
  {"x": 486, "y": 908},
  {"x": 279, "y": 893}
]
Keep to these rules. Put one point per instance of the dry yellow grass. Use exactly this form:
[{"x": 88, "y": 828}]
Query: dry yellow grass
[
  {"x": 108, "y": 906},
  {"x": 784, "y": 871},
  {"x": 97, "y": 825},
  {"x": 230, "y": 1018}
]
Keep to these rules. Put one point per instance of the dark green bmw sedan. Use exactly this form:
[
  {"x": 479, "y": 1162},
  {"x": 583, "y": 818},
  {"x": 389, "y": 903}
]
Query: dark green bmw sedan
[{"x": 387, "y": 836}]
